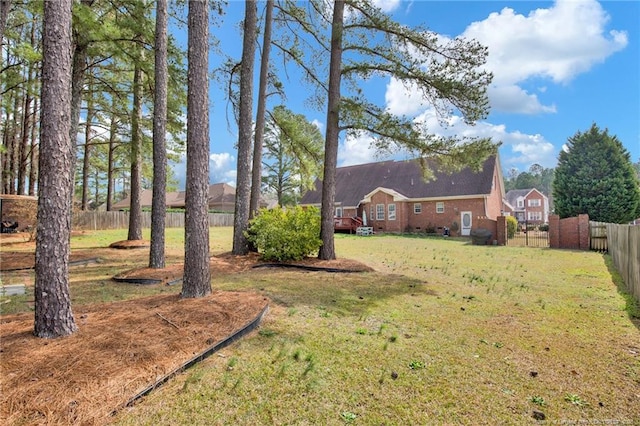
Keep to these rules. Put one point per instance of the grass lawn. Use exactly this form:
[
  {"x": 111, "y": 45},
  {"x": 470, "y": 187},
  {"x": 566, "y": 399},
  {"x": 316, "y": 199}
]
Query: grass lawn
[{"x": 442, "y": 333}]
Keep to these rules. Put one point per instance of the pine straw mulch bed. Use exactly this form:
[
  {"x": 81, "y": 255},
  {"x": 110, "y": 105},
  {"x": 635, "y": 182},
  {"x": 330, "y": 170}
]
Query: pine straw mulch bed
[{"x": 121, "y": 348}]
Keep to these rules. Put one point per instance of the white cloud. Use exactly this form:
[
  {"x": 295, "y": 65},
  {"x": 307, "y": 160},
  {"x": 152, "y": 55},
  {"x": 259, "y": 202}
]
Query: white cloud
[
  {"x": 222, "y": 168},
  {"x": 319, "y": 124},
  {"x": 356, "y": 150},
  {"x": 513, "y": 99},
  {"x": 557, "y": 43},
  {"x": 220, "y": 161},
  {"x": 387, "y": 5},
  {"x": 518, "y": 149},
  {"x": 402, "y": 100}
]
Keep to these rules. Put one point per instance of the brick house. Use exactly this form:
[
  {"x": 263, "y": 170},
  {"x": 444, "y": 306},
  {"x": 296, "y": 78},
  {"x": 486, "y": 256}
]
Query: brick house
[
  {"x": 392, "y": 196},
  {"x": 528, "y": 205},
  {"x": 222, "y": 197}
]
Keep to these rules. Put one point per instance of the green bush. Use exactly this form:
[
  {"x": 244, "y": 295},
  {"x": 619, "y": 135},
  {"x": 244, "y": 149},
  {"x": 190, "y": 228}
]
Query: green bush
[
  {"x": 544, "y": 227},
  {"x": 283, "y": 235},
  {"x": 512, "y": 226}
]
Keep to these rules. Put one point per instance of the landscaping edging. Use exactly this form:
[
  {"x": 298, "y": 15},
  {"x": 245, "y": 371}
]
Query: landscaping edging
[{"x": 252, "y": 325}]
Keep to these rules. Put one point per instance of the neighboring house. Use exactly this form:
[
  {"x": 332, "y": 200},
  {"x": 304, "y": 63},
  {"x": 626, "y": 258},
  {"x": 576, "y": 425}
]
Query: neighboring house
[
  {"x": 527, "y": 205},
  {"x": 222, "y": 197},
  {"x": 392, "y": 196}
]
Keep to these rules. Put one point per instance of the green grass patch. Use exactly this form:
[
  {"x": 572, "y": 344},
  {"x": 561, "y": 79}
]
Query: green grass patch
[{"x": 442, "y": 333}]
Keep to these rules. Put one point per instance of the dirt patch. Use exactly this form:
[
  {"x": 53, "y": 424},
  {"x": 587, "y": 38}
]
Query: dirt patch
[{"x": 121, "y": 348}]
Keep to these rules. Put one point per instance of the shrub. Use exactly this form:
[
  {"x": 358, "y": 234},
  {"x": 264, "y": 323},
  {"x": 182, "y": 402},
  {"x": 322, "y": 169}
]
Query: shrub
[
  {"x": 512, "y": 226},
  {"x": 283, "y": 235},
  {"x": 544, "y": 227}
]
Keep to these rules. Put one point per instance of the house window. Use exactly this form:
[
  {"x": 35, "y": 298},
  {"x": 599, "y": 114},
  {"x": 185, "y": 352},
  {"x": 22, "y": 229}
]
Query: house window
[
  {"x": 534, "y": 202},
  {"x": 520, "y": 202},
  {"x": 534, "y": 216},
  {"x": 392, "y": 212},
  {"x": 417, "y": 208},
  {"x": 371, "y": 216},
  {"x": 440, "y": 207},
  {"x": 379, "y": 211},
  {"x": 338, "y": 211}
]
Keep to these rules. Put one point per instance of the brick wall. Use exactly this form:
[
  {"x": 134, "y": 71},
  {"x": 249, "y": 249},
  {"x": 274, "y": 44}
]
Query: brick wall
[
  {"x": 569, "y": 233},
  {"x": 490, "y": 224}
]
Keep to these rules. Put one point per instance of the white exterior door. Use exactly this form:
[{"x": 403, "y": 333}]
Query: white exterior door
[{"x": 465, "y": 219}]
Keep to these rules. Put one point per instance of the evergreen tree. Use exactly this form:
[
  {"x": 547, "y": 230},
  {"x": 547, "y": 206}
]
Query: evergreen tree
[
  {"x": 293, "y": 155},
  {"x": 595, "y": 176},
  {"x": 245, "y": 131},
  {"x": 53, "y": 315},
  {"x": 197, "y": 275}
]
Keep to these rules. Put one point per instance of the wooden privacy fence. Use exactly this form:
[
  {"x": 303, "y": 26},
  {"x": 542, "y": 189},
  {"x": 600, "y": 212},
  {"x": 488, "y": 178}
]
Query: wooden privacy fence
[
  {"x": 624, "y": 248},
  {"x": 598, "y": 236},
  {"x": 119, "y": 220}
]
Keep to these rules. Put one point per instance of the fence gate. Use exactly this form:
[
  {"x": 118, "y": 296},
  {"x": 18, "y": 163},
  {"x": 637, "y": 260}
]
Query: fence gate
[
  {"x": 598, "y": 236},
  {"x": 529, "y": 235}
]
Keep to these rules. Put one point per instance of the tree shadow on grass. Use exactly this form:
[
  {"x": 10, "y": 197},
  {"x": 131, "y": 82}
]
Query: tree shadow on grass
[
  {"x": 632, "y": 306},
  {"x": 342, "y": 293}
]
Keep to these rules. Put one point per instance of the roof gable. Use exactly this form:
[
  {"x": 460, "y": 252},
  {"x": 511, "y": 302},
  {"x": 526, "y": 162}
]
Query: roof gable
[
  {"x": 512, "y": 196},
  {"x": 353, "y": 183}
]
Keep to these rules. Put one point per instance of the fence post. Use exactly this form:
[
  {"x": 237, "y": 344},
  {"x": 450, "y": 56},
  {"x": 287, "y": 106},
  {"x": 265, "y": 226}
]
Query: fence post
[
  {"x": 554, "y": 231},
  {"x": 583, "y": 231},
  {"x": 501, "y": 230}
]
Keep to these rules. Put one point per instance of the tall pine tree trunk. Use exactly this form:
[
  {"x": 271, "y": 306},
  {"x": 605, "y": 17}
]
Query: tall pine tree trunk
[
  {"x": 33, "y": 150},
  {"x": 135, "y": 212},
  {"x": 197, "y": 276},
  {"x": 158, "y": 204},
  {"x": 53, "y": 315},
  {"x": 256, "y": 173},
  {"x": 86, "y": 161},
  {"x": 243, "y": 176},
  {"x": 113, "y": 128},
  {"x": 23, "y": 148},
  {"x": 327, "y": 250}
]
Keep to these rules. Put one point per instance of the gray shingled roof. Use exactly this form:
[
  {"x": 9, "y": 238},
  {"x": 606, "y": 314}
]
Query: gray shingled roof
[
  {"x": 405, "y": 177},
  {"x": 512, "y": 196}
]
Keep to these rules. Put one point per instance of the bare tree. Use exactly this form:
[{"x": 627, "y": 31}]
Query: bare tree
[
  {"x": 53, "y": 315},
  {"x": 158, "y": 204},
  {"x": 197, "y": 276}
]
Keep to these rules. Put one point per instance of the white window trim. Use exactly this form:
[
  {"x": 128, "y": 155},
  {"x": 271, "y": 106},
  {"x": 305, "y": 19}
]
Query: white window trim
[
  {"x": 338, "y": 212},
  {"x": 534, "y": 202},
  {"x": 534, "y": 216},
  {"x": 391, "y": 211},
  {"x": 379, "y": 211},
  {"x": 417, "y": 208},
  {"x": 440, "y": 207}
]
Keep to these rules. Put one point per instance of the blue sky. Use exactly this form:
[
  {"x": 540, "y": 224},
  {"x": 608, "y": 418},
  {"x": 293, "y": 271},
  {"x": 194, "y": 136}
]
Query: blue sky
[{"x": 558, "y": 67}]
